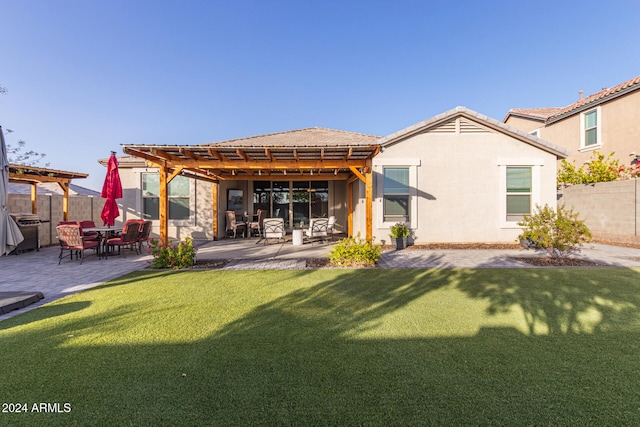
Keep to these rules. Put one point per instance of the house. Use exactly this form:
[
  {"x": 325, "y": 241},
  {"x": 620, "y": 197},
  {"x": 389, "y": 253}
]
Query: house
[
  {"x": 457, "y": 177},
  {"x": 53, "y": 188},
  {"x": 607, "y": 121}
]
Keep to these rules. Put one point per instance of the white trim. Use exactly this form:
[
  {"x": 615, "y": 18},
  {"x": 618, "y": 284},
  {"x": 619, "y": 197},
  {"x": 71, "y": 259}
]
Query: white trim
[
  {"x": 191, "y": 222},
  {"x": 536, "y": 165},
  {"x": 598, "y": 143},
  {"x": 378, "y": 169}
]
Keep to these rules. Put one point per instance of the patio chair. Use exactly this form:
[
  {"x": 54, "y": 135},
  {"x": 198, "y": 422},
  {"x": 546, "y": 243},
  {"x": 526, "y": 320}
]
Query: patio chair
[
  {"x": 71, "y": 240},
  {"x": 318, "y": 227},
  {"x": 129, "y": 237},
  {"x": 145, "y": 232},
  {"x": 257, "y": 225},
  {"x": 273, "y": 228},
  {"x": 233, "y": 225},
  {"x": 331, "y": 227},
  {"x": 88, "y": 235}
]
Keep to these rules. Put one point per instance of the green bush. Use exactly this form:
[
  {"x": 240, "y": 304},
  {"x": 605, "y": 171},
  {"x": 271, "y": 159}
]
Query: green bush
[
  {"x": 559, "y": 232},
  {"x": 355, "y": 252},
  {"x": 600, "y": 168},
  {"x": 399, "y": 230},
  {"x": 167, "y": 255}
]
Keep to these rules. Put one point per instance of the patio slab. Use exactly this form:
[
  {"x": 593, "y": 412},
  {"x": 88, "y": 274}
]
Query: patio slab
[{"x": 257, "y": 249}]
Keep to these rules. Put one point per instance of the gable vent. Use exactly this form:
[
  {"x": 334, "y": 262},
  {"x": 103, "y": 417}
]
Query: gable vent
[
  {"x": 467, "y": 126},
  {"x": 447, "y": 127}
]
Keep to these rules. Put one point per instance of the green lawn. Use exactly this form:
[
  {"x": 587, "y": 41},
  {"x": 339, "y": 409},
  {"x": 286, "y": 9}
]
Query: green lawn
[{"x": 333, "y": 347}]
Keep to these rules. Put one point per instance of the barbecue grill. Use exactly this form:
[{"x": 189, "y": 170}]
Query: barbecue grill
[{"x": 29, "y": 225}]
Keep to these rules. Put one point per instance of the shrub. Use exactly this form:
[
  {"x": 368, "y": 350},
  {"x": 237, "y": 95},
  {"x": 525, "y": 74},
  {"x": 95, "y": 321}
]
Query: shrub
[
  {"x": 600, "y": 168},
  {"x": 559, "y": 232},
  {"x": 167, "y": 255},
  {"x": 351, "y": 252},
  {"x": 399, "y": 230}
]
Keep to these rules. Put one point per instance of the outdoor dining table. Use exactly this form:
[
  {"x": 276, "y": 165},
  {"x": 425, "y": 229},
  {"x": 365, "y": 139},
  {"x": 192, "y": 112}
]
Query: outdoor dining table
[{"x": 103, "y": 235}]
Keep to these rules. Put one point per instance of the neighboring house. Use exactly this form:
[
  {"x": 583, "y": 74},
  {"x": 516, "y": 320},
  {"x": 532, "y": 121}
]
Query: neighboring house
[
  {"x": 53, "y": 188},
  {"x": 458, "y": 177},
  {"x": 607, "y": 121}
]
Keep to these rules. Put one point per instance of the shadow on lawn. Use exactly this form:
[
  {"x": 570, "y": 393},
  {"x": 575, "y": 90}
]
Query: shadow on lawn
[
  {"x": 302, "y": 358},
  {"x": 560, "y": 301}
]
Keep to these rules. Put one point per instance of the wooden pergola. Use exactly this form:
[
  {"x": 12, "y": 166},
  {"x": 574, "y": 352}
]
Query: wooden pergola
[
  {"x": 309, "y": 154},
  {"x": 32, "y": 175}
]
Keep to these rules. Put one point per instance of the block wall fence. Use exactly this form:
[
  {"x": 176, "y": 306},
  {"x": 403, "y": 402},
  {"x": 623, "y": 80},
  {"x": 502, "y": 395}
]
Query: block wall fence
[
  {"x": 50, "y": 212},
  {"x": 611, "y": 210}
]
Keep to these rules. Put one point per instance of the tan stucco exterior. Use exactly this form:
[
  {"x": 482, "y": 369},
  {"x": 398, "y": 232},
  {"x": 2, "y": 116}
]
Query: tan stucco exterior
[
  {"x": 620, "y": 129},
  {"x": 458, "y": 164},
  {"x": 460, "y": 185}
]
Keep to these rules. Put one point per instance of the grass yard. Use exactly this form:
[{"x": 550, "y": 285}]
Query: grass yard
[{"x": 332, "y": 347}]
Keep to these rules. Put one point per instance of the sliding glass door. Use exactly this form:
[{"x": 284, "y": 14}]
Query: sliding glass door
[{"x": 294, "y": 201}]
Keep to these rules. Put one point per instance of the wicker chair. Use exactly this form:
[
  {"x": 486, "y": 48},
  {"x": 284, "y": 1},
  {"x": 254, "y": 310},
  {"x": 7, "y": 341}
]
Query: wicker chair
[
  {"x": 232, "y": 224},
  {"x": 258, "y": 225},
  {"x": 71, "y": 240}
]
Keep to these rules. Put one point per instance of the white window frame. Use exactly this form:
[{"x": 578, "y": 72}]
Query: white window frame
[
  {"x": 536, "y": 166},
  {"x": 190, "y": 222},
  {"x": 378, "y": 168},
  {"x": 583, "y": 118},
  {"x": 535, "y": 132}
]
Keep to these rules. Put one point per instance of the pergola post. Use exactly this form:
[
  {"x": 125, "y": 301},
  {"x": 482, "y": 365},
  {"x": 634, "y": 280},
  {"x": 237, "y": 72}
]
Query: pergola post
[
  {"x": 34, "y": 198},
  {"x": 65, "y": 200},
  {"x": 164, "y": 205},
  {"x": 214, "y": 209},
  {"x": 350, "y": 208},
  {"x": 369, "y": 201}
]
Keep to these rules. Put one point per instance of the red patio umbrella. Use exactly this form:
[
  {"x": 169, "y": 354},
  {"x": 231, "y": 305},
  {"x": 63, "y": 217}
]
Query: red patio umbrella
[{"x": 111, "y": 190}]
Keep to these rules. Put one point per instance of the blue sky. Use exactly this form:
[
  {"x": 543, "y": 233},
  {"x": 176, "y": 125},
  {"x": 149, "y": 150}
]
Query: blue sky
[{"x": 84, "y": 76}]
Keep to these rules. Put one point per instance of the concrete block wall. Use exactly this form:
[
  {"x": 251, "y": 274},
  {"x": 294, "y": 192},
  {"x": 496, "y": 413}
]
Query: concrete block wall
[
  {"x": 50, "y": 212},
  {"x": 611, "y": 210}
]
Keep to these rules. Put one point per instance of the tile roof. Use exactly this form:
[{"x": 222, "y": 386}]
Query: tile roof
[
  {"x": 550, "y": 115},
  {"x": 598, "y": 98},
  {"x": 309, "y": 137},
  {"x": 481, "y": 119},
  {"x": 541, "y": 114}
]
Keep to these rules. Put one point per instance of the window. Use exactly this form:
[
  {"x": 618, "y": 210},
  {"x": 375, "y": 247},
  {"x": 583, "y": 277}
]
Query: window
[
  {"x": 535, "y": 133},
  {"x": 179, "y": 192},
  {"x": 519, "y": 192},
  {"x": 590, "y": 129},
  {"x": 396, "y": 194}
]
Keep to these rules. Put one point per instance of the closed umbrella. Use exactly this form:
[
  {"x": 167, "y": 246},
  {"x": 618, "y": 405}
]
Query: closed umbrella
[
  {"x": 10, "y": 235},
  {"x": 111, "y": 190}
]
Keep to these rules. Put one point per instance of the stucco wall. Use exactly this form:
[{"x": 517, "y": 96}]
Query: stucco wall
[
  {"x": 620, "y": 130},
  {"x": 50, "y": 212},
  {"x": 611, "y": 210},
  {"x": 198, "y": 226},
  {"x": 459, "y": 185}
]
